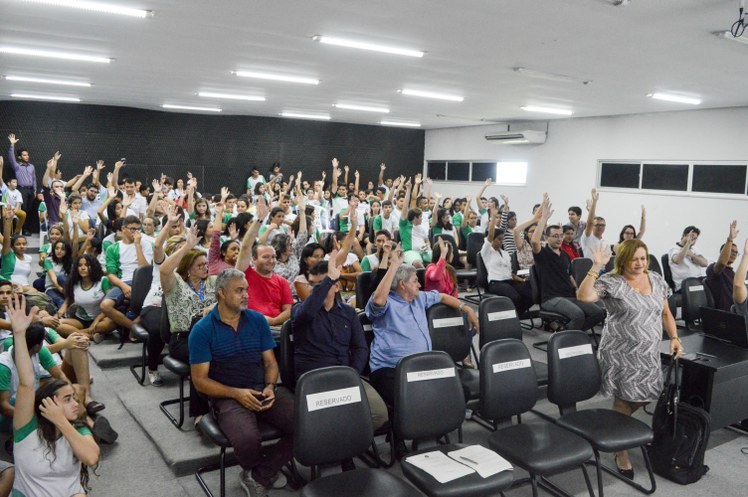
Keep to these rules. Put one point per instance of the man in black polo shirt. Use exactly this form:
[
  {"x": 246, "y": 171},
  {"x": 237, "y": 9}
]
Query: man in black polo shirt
[{"x": 557, "y": 287}]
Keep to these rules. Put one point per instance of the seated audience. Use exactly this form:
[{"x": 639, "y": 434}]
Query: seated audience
[
  {"x": 85, "y": 291},
  {"x": 233, "y": 363},
  {"x": 594, "y": 229},
  {"x": 686, "y": 260},
  {"x": 629, "y": 232},
  {"x": 15, "y": 264},
  {"x": 569, "y": 245},
  {"x": 720, "y": 275}
]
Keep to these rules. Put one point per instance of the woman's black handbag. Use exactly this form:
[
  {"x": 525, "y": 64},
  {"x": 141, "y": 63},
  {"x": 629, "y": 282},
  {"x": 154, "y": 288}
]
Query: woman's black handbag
[{"x": 681, "y": 434}]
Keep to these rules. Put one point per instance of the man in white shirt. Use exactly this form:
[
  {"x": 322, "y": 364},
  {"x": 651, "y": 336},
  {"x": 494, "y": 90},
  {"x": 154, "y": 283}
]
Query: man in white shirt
[
  {"x": 136, "y": 203},
  {"x": 594, "y": 229},
  {"x": 15, "y": 200},
  {"x": 687, "y": 261}
]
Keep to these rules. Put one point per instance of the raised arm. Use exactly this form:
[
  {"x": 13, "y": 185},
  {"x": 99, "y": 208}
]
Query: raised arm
[
  {"x": 48, "y": 173},
  {"x": 492, "y": 224},
  {"x": 411, "y": 201},
  {"x": 518, "y": 240},
  {"x": 382, "y": 167},
  {"x": 115, "y": 175},
  {"x": 379, "y": 297},
  {"x": 8, "y": 214},
  {"x": 591, "y": 208},
  {"x": 600, "y": 257},
  {"x": 346, "y": 168},
  {"x": 169, "y": 266},
  {"x": 12, "y": 152},
  {"x": 404, "y": 210},
  {"x": 20, "y": 321},
  {"x": 335, "y": 174},
  {"x": 642, "y": 224},
  {"x": 81, "y": 179},
  {"x": 96, "y": 178},
  {"x": 435, "y": 214},
  {"x": 724, "y": 255},
  {"x": 739, "y": 290},
  {"x": 245, "y": 253},
  {"x": 482, "y": 190},
  {"x": 547, "y": 212}
]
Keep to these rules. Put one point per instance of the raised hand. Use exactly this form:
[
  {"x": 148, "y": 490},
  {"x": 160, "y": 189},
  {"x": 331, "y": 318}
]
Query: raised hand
[
  {"x": 224, "y": 193},
  {"x": 57, "y": 156},
  {"x": 13, "y": 139},
  {"x": 87, "y": 171},
  {"x": 262, "y": 209},
  {"x": 172, "y": 217},
  {"x": 90, "y": 234},
  {"x": 382, "y": 167},
  {"x": 397, "y": 256},
  {"x": 16, "y": 311},
  {"x": 437, "y": 196},
  {"x": 335, "y": 163},
  {"x": 119, "y": 164},
  {"x": 595, "y": 195},
  {"x": 488, "y": 182},
  {"x": 601, "y": 254},
  {"x": 191, "y": 237},
  {"x": 355, "y": 174},
  {"x": 333, "y": 271},
  {"x": 233, "y": 233},
  {"x": 734, "y": 230},
  {"x": 418, "y": 179},
  {"x": 346, "y": 168},
  {"x": 156, "y": 186},
  {"x": 99, "y": 165}
]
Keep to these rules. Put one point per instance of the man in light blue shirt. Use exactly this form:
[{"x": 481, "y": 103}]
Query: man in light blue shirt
[{"x": 397, "y": 310}]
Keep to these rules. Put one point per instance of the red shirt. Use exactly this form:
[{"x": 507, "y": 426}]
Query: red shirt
[
  {"x": 267, "y": 295},
  {"x": 437, "y": 278},
  {"x": 571, "y": 250}
]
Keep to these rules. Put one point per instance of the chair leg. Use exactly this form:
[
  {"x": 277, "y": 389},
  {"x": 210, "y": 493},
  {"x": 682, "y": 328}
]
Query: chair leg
[
  {"x": 143, "y": 361},
  {"x": 181, "y": 400},
  {"x": 212, "y": 467},
  {"x": 614, "y": 472}
]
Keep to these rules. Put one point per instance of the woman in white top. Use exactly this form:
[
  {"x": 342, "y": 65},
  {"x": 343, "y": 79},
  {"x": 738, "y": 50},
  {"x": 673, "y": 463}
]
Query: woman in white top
[
  {"x": 52, "y": 450},
  {"x": 86, "y": 288},
  {"x": 16, "y": 265},
  {"x": 73, "y": 214},
  {"x": 498, "y": 263}
]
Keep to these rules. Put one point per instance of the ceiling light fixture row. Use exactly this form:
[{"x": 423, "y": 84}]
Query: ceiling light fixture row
[{"x": 99, "y": 7}]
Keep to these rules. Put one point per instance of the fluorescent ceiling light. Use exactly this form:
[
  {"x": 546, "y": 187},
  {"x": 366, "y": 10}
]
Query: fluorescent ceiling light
[
  {"x": 32, "y": 52},
  {"x": 277, "y": 77},
  {"x": 668, "y": 97},
  {"x": 301, "y": 115},
  {"x": 365, "y": 108},
  {"x": 341, "y": 42},
  {"x": 47, "y": 81},
  {"x": 190, "y": 107},
  {"x": 250, "y": 98},
  {"x": 546, "y": 110},
  {"x": 430, "y": 94},
  {"x": 96, "y": 7},
  {"x": 45, "y": 97},
  {"x": 728, "y": 36},
  {"x": 550, "y": 76},
  {"x": 400, "y": 123}
]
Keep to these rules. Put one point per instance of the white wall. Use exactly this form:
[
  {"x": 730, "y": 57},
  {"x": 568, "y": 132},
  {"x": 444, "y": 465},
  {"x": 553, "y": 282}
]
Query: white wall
[{"x": 566, "y": 167}]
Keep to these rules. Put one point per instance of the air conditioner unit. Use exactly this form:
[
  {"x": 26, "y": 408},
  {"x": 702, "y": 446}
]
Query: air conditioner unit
[{"x": 527, "y": 137}]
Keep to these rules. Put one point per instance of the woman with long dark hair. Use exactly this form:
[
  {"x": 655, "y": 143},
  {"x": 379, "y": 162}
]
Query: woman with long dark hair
[
  {"x": 57, "y": 268},
  {"x": 52, "y": 449},
  {"x": 86, "y": 288}
]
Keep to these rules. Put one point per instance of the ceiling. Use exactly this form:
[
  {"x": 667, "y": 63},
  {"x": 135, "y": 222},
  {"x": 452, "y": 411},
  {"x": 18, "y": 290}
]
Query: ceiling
[{"x": 471, "y": 49}]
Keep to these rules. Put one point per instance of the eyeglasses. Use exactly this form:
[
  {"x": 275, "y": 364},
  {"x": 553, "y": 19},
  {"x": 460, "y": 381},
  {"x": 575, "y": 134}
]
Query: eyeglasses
[
  {"x": 554, "y": 236},
  {"x": 133, "y": 229},
  {"x": 599, "y": 226},
  {"x": 201, "y": 266}
]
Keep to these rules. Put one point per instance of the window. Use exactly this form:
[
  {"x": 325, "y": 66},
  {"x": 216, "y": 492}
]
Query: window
[
  {"x": 502, "y": 173},
  {"x": 720, "y": 178}
]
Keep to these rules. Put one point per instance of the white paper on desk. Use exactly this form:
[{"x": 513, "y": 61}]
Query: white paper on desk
[
  {"x": 485, "y": 461},
  {"x": 438, "y": 465}
]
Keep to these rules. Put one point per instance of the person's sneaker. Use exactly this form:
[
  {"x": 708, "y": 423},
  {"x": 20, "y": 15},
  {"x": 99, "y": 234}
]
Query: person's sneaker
[
  {"x": 278, "y": 481},
  {"x": 154, "y": 378},
  {"x": 250, "y": 486}
]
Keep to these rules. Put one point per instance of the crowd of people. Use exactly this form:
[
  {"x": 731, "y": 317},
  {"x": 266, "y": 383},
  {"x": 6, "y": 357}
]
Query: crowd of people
[{"x": 229, "y": 269}]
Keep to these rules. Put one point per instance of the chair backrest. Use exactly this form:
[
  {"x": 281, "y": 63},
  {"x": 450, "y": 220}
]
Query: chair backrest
[
  {"x": 164, "y": 326},
  {"x": 498, "y": 320},
  {"x": 368, "y": 335},
  {"x": 579, "y": 269},
  {"x": 534, "y": 285},
  {"x": 611, "y": 264},
  {"x": 709, "y": 293},
  {"x": 455, "y": 262},
  {"x": 654, "y": 265},
  {"x": 508, "y": 385},
  {"x": 421, "y": 275},
  {"x": 429, "y": 399},
  {"x": 482, "y": 276},
  {"x": 396, "y": 236},
  {"x": 448, "y": 331},
  {"x": 331, "y": 415},
  {"x": 694, "y": 297},
  {"x": 286, "y": 360},
  {"x": 573, "y": 370},
  {"x": 474, "y": 243},
  {"x": 363, "y": 288},
  {"x": 666, "y": 273},
  {"x": 141, "y": 284}
]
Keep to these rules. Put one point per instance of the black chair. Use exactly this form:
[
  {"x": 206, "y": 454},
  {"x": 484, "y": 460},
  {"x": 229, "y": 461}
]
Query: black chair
[
  {"x": 209, "y": 427},
  {"x": 348, "y": 424},
  {"x": 428, "y": 410},
  {"x": 177, "y": 367},
  {"x": 610, "y": 265},
  {"x": 654, "y": 265},
  {"x": 421, "y": 275},
  {"x": 579, "y": 269},
  {"x": 528, "y": 314},
  {"x": 364, "y": 291},
  {"x": 481, "y": 281},
  {"x": 575, "y": 377},
  {"x": 474, "y": 244},
  {"x": 450, "y": 334},
  {"x": 286, "y": 361},
  {"x": 676, "y": 299},
  {"x": 509, "y": 388},
  {"x": 141, "y": 284},
  {"x": 498, "y": 320},
  {"x": 545, "y": 316},
  {"x": 694, "y": 297},
  {"x": 396, "y": 236}
]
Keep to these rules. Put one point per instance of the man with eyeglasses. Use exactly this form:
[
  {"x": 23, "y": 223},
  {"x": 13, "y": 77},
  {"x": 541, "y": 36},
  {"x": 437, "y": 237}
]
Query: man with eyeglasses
[
  {"x": 557, "y": 286},
  {"x": 132, "y": 250},
  {"x": 594, "y": 229},
  {"x": 720, "y": 275}
]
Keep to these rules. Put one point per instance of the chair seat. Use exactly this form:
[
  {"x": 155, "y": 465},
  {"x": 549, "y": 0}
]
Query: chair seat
[
  {"x": 470, "y": 379},
  {"x": 552, "y": 316},
  {"x": 139, "y": 332},
  {"x": 175, "y": 366},
  {"x": 542, "y": 449},
  {"x": 210, "y": 428},
  {"x": 361, "y": 483},
  {"x": 541, "y": 372},
  {"x": 607, "y": 430},
  {"x": 466, "y": 486},
  {"x": 466, "y": 273}
]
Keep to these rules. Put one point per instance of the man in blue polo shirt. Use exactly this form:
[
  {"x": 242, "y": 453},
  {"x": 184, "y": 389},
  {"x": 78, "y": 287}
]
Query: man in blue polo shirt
[{"x": 232, "y": 362}]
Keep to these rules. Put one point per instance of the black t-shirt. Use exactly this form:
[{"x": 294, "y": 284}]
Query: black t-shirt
[{"x": 553, "y": 273}]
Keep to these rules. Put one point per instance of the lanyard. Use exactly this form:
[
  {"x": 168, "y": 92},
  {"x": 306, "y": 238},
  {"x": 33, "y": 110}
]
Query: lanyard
[{"x": 201, "y": 291}]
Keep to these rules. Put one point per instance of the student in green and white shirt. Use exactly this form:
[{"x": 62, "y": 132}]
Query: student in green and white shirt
[
  {"x": 275, "y": 225},
  {"x": 55, "y": 233},
  {"x": 254, "y": 178},
  {"x": 413, "y": 237},
  {"x": 86, "y": 288},
  {"x": 386, "y": 220},
  {"x": 371, "y": 262},
  {"x": 51, "y": 424},
  {"x": 15, "y": 265}
]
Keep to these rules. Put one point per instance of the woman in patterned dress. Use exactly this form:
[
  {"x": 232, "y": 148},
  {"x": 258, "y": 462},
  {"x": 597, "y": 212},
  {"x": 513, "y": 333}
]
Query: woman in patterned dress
[{"x": 636, "y": 301}]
